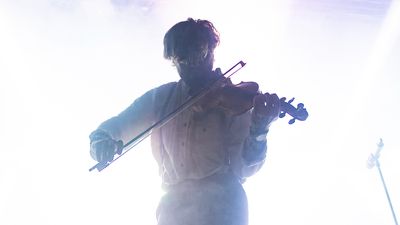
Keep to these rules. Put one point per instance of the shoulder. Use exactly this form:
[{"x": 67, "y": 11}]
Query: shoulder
[
  {"x": 164, "y": 89},
  {"x": 167, "y": 86},
  {"x": 160, "y": 90}
]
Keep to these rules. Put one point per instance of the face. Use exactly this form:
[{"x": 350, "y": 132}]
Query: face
[{"x": 196, "y": 75}]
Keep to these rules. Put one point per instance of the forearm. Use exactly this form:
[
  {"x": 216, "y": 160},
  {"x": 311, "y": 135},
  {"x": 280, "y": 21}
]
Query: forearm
[
  {"x": 132, "y": 121},
  {"x": 255, "y": 146},
  {"x": 266, "y": 110},
  {"x": 254, "y": 149},
  {"x": 250, "y": 138},
  {"x": 252, "y": 157}
]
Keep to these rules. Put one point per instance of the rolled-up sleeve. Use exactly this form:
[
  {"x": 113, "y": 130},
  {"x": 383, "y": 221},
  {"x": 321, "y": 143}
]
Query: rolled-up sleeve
[
  {"x": 247, "y": 155},
  {"x": 138, "y": 117}
]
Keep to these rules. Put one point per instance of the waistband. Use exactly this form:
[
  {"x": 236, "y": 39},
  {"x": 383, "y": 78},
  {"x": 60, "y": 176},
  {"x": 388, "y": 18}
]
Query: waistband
[{"x": 221, "y": 179}]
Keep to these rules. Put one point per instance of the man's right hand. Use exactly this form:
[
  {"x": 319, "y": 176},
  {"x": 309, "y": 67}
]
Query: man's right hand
[{"x": 103, "y": 147}]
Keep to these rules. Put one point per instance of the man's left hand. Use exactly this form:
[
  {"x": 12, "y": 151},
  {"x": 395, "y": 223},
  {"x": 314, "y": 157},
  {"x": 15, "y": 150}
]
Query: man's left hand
[{"x": 266, "y": 108}]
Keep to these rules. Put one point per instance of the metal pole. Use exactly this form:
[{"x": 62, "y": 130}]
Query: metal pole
[
  {"x": 372, "y": 161},
  {"x": 386, "y": 191}
]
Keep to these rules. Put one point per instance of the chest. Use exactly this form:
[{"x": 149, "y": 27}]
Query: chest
[{"x": 193, "y": 127}]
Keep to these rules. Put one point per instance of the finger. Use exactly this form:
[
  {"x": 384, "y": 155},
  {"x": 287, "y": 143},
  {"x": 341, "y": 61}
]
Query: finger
[
  {"x": 275, "y": 100},
  {"x": 273, "y": 104},
  {"x": 259, "y": 99},
  {"x": 109, "y": 156},
  {"x": 120, "y": 147},
  {"x": 276, "y": 104},
  {"x": 104, "y": 150},
  {"x": 259, "y": 104},
  {"x": 268, "y": 100},
  {"x": 99, "y": 147},
  {"x": 111, "y": 150}
]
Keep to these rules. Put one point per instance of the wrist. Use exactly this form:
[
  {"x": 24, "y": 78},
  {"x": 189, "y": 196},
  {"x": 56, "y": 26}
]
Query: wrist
[
  {"x": 262, "y": 137},
  {"x": 259, "y": 123},
  {"x": 256, "y": 152},
  {"x": 99, "y": 135},
  {"x": 259, "y": 133}
]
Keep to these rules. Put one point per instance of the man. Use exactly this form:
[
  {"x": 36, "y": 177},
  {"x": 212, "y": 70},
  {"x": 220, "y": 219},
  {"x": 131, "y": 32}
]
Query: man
[{"x": 204, "y": 153}]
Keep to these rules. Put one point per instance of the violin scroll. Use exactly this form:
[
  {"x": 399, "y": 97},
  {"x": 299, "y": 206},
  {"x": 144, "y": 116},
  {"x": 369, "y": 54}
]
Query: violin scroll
[{"x": 298, "y": 113}]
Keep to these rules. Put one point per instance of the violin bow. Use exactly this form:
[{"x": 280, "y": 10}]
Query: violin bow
[{"x": 139, "y": 138}]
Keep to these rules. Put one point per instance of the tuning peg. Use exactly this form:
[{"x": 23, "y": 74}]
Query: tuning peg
[
  {"x": 291, "y": 100},
  {"x": 300, "y": 106},
  {"x": 282, "y": 114},
  {"x": 292, "y": 121}
]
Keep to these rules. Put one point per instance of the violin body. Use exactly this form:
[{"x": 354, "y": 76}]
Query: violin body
[
  {"x": 230, "y": 98},
  {"x": 235, "y": 99}
]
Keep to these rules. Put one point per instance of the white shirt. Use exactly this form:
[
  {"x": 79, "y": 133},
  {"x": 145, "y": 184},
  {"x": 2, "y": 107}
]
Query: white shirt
[{"x": 194, "y": 144}]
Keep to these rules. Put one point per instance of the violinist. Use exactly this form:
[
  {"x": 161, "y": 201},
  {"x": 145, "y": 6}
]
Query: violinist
[{"x": 206, "y": 152}]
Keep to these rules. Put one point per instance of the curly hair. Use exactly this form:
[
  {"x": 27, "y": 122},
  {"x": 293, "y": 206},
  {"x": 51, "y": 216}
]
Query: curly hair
[{"x": 190, "y": 41}]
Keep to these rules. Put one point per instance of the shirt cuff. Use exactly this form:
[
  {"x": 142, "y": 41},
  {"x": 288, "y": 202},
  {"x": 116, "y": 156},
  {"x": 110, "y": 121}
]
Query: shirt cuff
[
  {"x": 98, "y": 135},
  {"x": 256, "y": 150}
]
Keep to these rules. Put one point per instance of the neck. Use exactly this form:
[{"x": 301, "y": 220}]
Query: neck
[{"x": 197, "y": 81}]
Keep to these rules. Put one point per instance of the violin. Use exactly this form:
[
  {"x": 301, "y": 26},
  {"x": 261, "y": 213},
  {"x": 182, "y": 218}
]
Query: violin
[
  {"x": 237, "y": 99},
  {"x": 221, "y": 93}
]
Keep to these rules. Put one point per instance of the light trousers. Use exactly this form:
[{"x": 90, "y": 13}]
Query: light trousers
[{"x": 215, "y": 200}]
